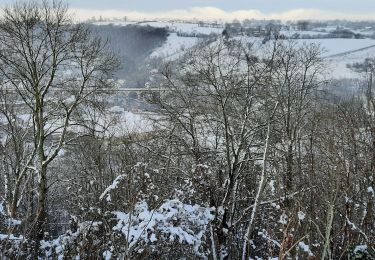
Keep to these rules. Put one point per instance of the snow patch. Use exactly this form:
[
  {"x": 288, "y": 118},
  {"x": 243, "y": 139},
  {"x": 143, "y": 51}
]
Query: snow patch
[
  {"x": 13, "y": 222},
  {"x": 174, "y": 46},
  {"x": 10, "y": 237},
  {"x": 283, "y": 219},
  {"x": 370, "y": 190},
  {"x": 2, "y": 211},
  {"x": 305, "y": 248},
  {"x": 360, "y": 248},
  {"x": 301, "y": 215},
  {"x": 107, "y": 255},
  {"x": 107, "y": 191},
  {"x": 272, "y": 186}
]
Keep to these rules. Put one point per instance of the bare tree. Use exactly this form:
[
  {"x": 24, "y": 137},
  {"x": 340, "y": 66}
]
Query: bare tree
[
  {"x": 217, "y": 109},
  {"x": 51, "y": 66},
  {"x": 295, "y": 82}
]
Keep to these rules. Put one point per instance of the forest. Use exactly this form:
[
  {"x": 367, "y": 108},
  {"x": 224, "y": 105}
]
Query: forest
[{"x": 249, "y": 153}]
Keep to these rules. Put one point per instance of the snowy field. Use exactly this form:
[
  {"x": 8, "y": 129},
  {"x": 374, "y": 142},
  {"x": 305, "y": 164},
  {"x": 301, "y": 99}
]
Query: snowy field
[
  {"x": 129, "y": 122},
  {"x": 174, "y": 45},
  {"x": 338, "y": 64},
  {"x": 340, "y": 46},
  {"x": 336, "y": 52}
]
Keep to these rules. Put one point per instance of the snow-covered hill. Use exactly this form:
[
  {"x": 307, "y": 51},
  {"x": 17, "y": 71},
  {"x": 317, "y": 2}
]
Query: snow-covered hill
[
  {"x": 174, "y": 46},
  {"x": 337, "y": 53},
  {"x": 174, "y": 26},
  {"x": 338, "y": 64},
  {"x": 187, "y": 28}
]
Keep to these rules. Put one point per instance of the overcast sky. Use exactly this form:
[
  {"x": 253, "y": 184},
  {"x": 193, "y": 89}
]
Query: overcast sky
[{"x": 225, "y": 9}]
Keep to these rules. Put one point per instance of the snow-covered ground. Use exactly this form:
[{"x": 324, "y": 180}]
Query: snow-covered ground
[
  {"x": 174, "y": 45},
  {"x": 135, "y": 122},
  {"x": 129, "y": 122},
  {"x": 340, "y": 46},
  {"x": 338, "y": 64},
  {"x": 338, "y": 53}
]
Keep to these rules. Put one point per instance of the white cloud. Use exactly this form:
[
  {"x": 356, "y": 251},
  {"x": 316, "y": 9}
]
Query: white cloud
[
  {"x": 213, "y": 13},
  {"x": 316, "y": 14}
]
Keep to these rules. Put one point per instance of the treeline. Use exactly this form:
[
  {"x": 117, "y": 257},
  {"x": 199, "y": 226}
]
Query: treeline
[
  {"x": 337, "y": 34},
  {"x": 249, "y": 155}
]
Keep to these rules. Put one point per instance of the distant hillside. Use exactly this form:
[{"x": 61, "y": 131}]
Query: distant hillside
[{"x": 133, "y": 44}]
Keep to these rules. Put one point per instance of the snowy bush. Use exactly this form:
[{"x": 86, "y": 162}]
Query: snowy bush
[
  {"x": 10, "y": 242},
  {"x": 135, "y": 233},
  {"x": 172, "y": 221}
]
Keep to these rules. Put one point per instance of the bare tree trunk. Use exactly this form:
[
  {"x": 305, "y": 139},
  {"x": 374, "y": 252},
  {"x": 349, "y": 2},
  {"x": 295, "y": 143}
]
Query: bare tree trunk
[
  {"x": 289, "y": 167},
  {"x": 262, "y": 183},
  {"x": 14, "y": 200},
  {"x": 326, "y": 250},
  {"x": 41, "y": 213},
  {"x": 213, "y": 246}
]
